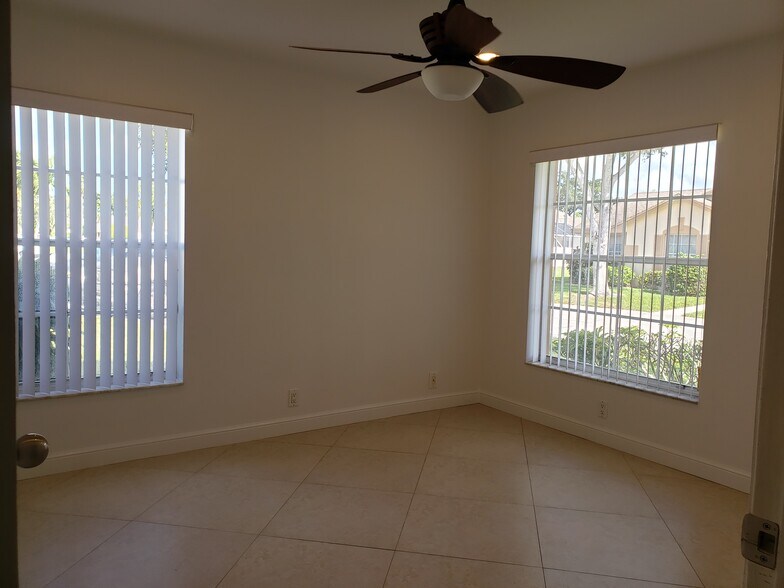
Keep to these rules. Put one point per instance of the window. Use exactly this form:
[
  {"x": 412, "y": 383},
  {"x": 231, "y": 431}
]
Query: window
[
  {"x": 626, "y": 304},
  {"x": 615, "y": 244},
  {"x": 99, "y": 252},
  {"x": 678, "y": 245}
]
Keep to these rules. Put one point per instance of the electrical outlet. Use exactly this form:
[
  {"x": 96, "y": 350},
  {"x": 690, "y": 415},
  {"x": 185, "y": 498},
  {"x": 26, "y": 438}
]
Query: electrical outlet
[
  {"x": 432, "y": 382},
  {"x": 603, "y": 410},
  {"x": 293, "y": 401}
]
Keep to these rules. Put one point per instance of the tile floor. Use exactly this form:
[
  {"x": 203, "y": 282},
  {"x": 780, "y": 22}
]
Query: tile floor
[{"x": 465, "y": 496}]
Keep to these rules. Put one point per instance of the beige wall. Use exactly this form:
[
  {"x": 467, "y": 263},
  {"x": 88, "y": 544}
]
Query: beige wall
[
  {"x": 334, "y": 241},
  {"x": 737, "y": 87}
]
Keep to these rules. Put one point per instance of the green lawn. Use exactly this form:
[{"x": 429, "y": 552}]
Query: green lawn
[
  {"x": 636, "y": 299},
  {"x": 697, "y": 314}
]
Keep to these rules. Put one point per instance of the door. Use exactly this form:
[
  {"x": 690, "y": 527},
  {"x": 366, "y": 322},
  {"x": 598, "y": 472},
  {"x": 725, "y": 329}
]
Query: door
[
  {"x": 767, "y": 491},
  {"x": 8, "y": 557}
]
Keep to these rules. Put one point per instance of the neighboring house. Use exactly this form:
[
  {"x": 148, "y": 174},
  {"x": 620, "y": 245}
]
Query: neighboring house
[
  {"x": 567, "y": 235},
  {"x": 654, "y": 226}
]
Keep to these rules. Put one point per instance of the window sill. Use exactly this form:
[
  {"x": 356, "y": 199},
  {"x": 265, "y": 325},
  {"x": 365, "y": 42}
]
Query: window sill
[
  {"x": 29, "y": 398},
  {"x": 692, "y": 396}
]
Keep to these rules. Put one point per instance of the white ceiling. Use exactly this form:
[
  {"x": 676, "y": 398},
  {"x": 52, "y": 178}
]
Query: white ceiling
[{"x": 628, "y": 32}]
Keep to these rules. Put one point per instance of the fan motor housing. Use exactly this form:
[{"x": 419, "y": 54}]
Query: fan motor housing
[{"x": 432, "y": 30}]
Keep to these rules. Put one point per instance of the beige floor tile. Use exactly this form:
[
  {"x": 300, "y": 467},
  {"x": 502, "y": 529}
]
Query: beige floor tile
[
  {"x": 325, "y": 437},
  {"x": 487, "y": 445},
  {"x": 415, "y": 570},
  {"x": 145, "y": 554},
  {"x": 614, "y": 545},
  {"x": 478, "y": 417},
  {"x": 695, "y": 500},
  {"x": 272, "y": 562},
  {"x": 705, "y": 519},
  {"x": 560, "y": 579},
  {"x": 352, "y": 516},
  {"x": 286, "y": 462},
  {"x": 428, "y": 418},
  {"x": 475, "y": 478},
  {"x": 51, "y": 543},
  {"x": 387, "y": 437},
  {"x": 643, "y": 467},
  {"x": 115, "y": 492},
  {"x": 224, "y": 503},
  {"x": 553, "y": 448},
  {"x": 611, "y": 492},
  {"x": 29, "y": 491},
  {"x": 365, "y": 468},
  {"x": 189, "y": 461},
  {"x": 504, "y": 533}
]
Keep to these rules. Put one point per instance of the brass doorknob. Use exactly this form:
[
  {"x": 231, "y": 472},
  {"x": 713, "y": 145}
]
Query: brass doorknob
[{"x": 31, "y": 450}]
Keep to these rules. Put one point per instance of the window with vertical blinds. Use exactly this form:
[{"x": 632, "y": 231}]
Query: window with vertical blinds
[
  {"x": 100, "y": 209},
  {"x": 623, "y": 300}
]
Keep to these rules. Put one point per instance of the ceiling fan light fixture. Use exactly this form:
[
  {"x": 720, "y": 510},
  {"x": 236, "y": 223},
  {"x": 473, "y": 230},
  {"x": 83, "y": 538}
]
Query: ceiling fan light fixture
[
  {"x": 452, "y": 82},
  {"x": 486, "y": 57}
]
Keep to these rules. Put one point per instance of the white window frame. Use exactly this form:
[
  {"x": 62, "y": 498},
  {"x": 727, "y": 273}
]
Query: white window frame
[
  {"x": 537, "y": 345},
  {"x": 112, "y": 116}
]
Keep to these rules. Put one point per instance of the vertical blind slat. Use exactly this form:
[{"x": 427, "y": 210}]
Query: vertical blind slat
[
  {"x": 61, "y": 254},
  {"x": 44, "y": 271},
  {"x": 133, "y": 254},
  {"x": 145, "y": 247},
  {"x": 28, "y": 250},
  {"x": 90, "y": 237},
  {"x": 118, "y": 375},
  {"x": 75, "y": 232},
  {"x": 105, "y": 204},
  {"x": 159, "y": 228},
  {"x": 172, "y": 242},
  {"x": 118, "y": 314},
  {"x": 180, "y": 252}
]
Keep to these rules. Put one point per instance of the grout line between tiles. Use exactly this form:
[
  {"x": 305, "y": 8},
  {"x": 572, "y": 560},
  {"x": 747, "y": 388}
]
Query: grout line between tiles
[
  {"x": 618, "y": 577},
  {"x": 88, "y": 553},
  {"x": 674, "y": 538},
  {"x": 492, "y": 561},
  {"x": 533, "y": 501},
  {"x": 421, "y": 469},
  {"x": 128, "y": 522},
  {"x": 603, "y": 512},
  {"x": 285, "y": 502}
]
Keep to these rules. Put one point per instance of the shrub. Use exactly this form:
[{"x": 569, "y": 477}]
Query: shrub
[
  {"x": 580, "y": 271},
  {"x": 687, "y": 281},
  {"x": 651, "y": 280},
  {"x": 591, "y": 347},
  {"x": 669, "y": 356},
  {"x": 619, "y": 276}
]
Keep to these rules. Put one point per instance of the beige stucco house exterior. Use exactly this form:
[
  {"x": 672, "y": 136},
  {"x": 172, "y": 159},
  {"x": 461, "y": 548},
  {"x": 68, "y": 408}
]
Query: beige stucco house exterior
[{"x": 654, "y": 226}]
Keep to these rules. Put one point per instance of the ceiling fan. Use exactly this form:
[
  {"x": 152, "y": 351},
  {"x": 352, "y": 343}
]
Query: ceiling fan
[{"x": 454, "y": 39}]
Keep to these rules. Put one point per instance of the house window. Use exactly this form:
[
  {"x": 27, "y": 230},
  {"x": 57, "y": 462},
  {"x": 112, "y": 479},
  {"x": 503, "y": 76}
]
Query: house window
[
  {"x": 626, "y": 303},
  {"x": 681, "y": 245},
  {"x": 99, "y": 252},
  {"x": 615, "y": 245}
]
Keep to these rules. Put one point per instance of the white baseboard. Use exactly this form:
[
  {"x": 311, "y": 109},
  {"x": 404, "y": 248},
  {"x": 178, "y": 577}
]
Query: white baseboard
[
  {"x": 710, "y": 471},
  {"x": 109, "y": 454}
]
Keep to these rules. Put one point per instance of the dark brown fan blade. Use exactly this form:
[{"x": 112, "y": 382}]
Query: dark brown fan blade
[
  {"x": 399, "y": 56},
  {"x": 496, "y": 94},
  {"x": 468, "y": 30},
  {"x": 563, "y": 70},
  {"x": 390, "y": 83}
]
